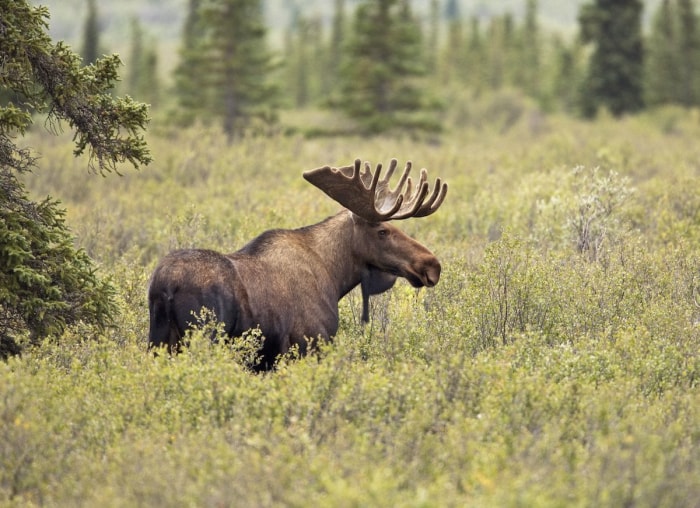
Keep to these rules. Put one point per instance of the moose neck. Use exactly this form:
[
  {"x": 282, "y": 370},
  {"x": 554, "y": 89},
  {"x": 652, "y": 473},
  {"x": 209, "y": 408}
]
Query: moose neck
[{"x": 332, "y": 240}]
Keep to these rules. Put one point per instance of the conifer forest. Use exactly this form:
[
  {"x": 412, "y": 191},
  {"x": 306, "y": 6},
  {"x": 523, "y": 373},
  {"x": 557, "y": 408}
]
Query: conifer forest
[{"x": 551, "y": 358}]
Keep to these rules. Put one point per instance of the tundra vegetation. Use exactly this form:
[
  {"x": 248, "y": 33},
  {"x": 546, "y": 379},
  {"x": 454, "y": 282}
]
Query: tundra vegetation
[{"x": 556, "y": 363}]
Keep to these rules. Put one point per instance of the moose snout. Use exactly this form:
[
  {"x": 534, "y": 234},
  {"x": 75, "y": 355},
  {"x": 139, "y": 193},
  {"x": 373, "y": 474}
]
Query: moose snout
[
  {"x": 431, "y": 274},
  {"x": 423, "y": 273}
]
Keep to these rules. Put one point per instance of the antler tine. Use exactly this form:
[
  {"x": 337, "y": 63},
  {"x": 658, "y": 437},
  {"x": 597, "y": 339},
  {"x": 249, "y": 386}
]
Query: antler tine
[
  {"x": 434, "y": 201},
  {"x": 385, "y": 198},
  {"x": 402, "y": 181},
  {"x": 392, "y": 166},
  {"x": 418, "y": 205},
  {"x": 375, "y": 176},
  {"x": 413, "y": 201}
]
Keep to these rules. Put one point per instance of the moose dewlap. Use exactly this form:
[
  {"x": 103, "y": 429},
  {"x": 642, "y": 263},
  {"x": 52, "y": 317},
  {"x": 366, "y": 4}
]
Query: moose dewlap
[{"x": 288, "y": 282}]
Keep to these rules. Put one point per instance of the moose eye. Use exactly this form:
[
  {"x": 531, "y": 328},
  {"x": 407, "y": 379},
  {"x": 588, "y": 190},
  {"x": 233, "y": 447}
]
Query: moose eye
[{"x": 383, "y": 233}]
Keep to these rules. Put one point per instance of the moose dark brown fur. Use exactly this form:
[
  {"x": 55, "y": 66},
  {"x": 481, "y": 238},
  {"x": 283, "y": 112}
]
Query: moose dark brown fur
[{"x": 288, "y": 282}]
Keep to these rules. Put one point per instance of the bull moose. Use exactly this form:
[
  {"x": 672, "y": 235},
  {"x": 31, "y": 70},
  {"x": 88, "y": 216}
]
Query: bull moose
[{"x": 288, "y": 282}]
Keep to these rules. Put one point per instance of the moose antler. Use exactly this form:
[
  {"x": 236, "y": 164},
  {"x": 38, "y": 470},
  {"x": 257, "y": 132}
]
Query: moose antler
[{"x": 364, "y": 194}]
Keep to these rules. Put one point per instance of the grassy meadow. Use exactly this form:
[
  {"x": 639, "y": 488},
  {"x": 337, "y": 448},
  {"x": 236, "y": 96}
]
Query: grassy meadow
[{"x": 557, "y": 362}]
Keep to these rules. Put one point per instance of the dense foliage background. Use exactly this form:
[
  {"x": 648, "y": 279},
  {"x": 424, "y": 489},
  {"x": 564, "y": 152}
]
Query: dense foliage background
[{"x": 574, "y": 57}]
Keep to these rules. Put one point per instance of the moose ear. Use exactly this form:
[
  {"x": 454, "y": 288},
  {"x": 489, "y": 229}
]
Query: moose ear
[{"x": 373, "y": 282}]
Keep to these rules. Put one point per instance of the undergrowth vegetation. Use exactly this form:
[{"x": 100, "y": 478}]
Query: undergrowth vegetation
[{"x": 556, "y": 363}]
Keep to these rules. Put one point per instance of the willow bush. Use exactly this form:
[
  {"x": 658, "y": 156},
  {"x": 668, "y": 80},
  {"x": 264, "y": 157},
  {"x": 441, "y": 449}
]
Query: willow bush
[{"x": 534, "y": 373}]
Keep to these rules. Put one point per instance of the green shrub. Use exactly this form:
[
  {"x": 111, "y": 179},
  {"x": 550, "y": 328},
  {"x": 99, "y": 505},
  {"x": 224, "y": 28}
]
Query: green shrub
[{"x": 533, "y": 374}]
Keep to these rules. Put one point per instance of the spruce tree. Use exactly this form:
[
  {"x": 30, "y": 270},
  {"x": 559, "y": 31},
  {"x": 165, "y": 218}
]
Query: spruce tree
[
  {"x": 335, "y": 51},
  {"x": 476, "y": 68},
  {"x": 673, "y": 63},
  {"x": 91, "y": 34},
  {"x": 191, "y": 97},
  {"x": 455, "y": 50},
  {"x": 142, "y": 79},
  {"x": 433, "y": 41},
  {"x": 689, "y": 53},
  {"x": 567, "y": 75},
  {"x": 135, "y": 63},
  {"x": 308, "y": 80},
  {"x": 150, "y": 85},
  {"x": 615, "y": 71},
  {"x": 663, "y": 65},
  {"x": 379, "y": 87},
  {"x": 500, "y": 56},
  {"x": 529, "y": 60},
  {"x": 225, "y": 65},
  {"x": 47, "y": 283},
  {"x": 299, "y": 59}
]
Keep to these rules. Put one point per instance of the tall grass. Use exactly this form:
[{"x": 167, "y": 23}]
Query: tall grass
[{"x": 553, "y": 365}]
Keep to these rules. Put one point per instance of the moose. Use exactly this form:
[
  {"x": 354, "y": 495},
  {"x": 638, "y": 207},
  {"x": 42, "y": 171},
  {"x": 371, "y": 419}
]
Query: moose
[{"x": 288, "y": 282}]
